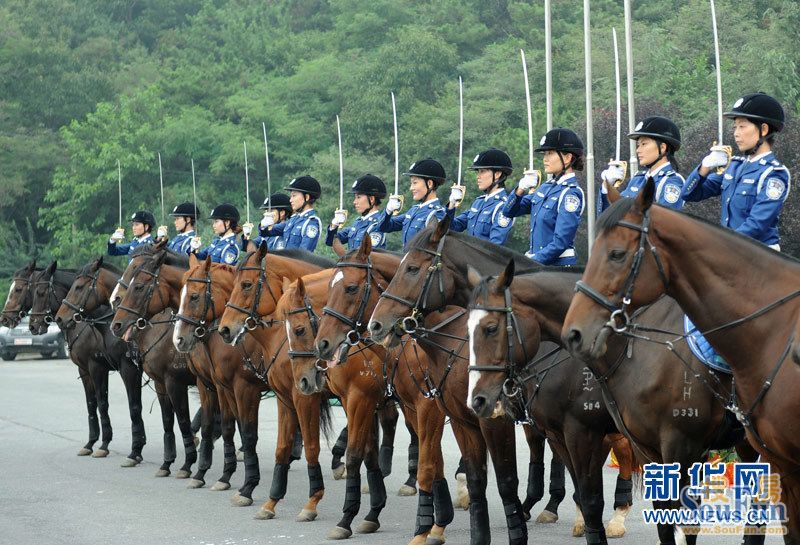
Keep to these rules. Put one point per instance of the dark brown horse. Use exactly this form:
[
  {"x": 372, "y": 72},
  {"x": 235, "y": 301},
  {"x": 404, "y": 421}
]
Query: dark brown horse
[
  {"x": 91, "y": 291},
  {"x": 96, "y": 352},
  {"x": 20, "y": 296},
  {"x": 663, "y": 406},
  {"x": 741, "y": 294}
]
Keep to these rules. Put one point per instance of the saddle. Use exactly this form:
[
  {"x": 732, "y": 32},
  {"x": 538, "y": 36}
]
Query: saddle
[{"x": 702, "y": 350}]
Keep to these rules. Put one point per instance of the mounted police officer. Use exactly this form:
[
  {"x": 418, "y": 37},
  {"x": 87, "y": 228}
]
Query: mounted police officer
[
  {"x": 185, "y": 215},
  {"x": 223, "y": 249},
  {"x": 367, "y": 192},
  {"x": 753, "y": 185},
  {"x": 485, "y": 218},
  {"x": 557, "y": 205},
  {"x": 302, "y": 229},
  {"x": 279, "y": 209},
  {"x": 424, "y": 176},
  {"x": 657, "y": 140},
  {"x": 142, "y": 224}
]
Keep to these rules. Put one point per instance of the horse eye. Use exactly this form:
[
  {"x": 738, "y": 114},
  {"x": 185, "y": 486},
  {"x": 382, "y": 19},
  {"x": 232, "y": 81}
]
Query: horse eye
[
  {"x": 299, "y": 331},
  {"x": 247, "y": 285},
  {"x": 412, "y": 269},
  {"x": 617, "y": 255},
  {"x": 194, "y": 296},
  {"x": 138, "y": 287},
  {"x": 490, "y": 329},
  {"x": 352, "y": 288}
]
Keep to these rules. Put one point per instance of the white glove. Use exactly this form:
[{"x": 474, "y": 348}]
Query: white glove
[
  {"x": 456, "y": 195},
  {"x": 613, "y": 174},
  {"x": 393, "y": 204},
  {"x": 716, "y": 158},
  {"x": 530, "y": 180},
  {"x": 195, "y": 243},
  {"x": 268, "y": 220},
  {"x": 247, "y": 228},
  {"x": 118, "y": 236},
  {"x": 162, "y": 232},
  {"x": 339, "y": 217}
]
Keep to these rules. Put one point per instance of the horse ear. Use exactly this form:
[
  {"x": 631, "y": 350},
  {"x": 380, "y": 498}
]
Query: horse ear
[
  {"x": 31, "y": 266},
  {"x": 338, "y": 247},
  {"x": 160, "y": 244},
  {"x": 97, "y": 264},
  {"x": 441, "y": 229},
  {"x": 250, "y": 247},
  {"x": 506, "y": 277},
  {"x": 644, "y": 200},
  {"x": 366, "y": 247},
  {"x": 262, "y": 250},
  {"x": 192, "y": 261},
  {"x": 300, "y": 289},
  {"x": 613, "y": 193},
  {"x": 286, "y": 284},
  {"x": 207, "y": 263},
  {"x": 52, "y": 268},
  {"x": 473, "y": 277}
]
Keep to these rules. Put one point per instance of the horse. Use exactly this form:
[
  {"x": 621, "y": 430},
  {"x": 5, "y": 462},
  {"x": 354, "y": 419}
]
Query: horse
[
  {"x": 91, "y": 291},
  {"x": 245, "y": 313},
  {"x": 664, "y": 408},
  {"x": 20, "y": 298},
  {"x": 242, "y": 371},
  {"x": 96, "y": 352},
  {"x": 739, "y": 293}
]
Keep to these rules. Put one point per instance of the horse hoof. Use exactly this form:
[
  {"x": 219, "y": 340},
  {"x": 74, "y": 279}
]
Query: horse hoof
[
  {"x": 195, "y": 483},
  {"x": 265, "y": 514},
  {"x": 418, "y": 540},
  {"x": 241, "y": 501},
  {"x": 339, "y": 473},
  {"x": 306, "y": 515},
  {"x": 462, "y": 494},
  {"x": 84, "y": 451},
  {"x": 162, "y": 473},
  {"x": 406, "y": 490},
  {"x": 614, "y": 530},
  {"x": 436, "y": 536},
  {"x": 219, "y": 486},
  {"x": 368, "y": 527},
  {"x": 129, "y": 462},
  {"x": 337, "y": 532},
  {"x": 616, "y": 526},
  {"x": 547, "y": 517},
  {"x": 183, "y": 474},
  {"x": 579, "y": 530},
  {"x": 365, "y": 489},
  {"x": 239, "y": 456},
  {"x": 100, "y": 453}
]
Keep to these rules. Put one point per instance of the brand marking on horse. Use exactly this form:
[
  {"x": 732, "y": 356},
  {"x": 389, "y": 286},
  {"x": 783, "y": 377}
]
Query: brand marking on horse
[{"x": 587, "y": 377}]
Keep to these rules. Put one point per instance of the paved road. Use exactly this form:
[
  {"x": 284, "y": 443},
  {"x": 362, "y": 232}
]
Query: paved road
[{"x": 48, "y": 495}]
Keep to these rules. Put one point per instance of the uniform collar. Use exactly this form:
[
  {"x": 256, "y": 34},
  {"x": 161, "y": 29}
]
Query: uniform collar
[
  {"x": 310, "y": 211},
  {"x": 496, "y": 193},
  {"x": 566, "y": 179},
  {"x": 757, "y": 158},
  {"x": 227, "y": 236},
  {"x": 189, "y": 233},
  {"x": 431, "y": 203},
  {"x": 144, "y": 238},
  {"x": 371, "y": 213},
  {"x": 651, "y": 174}
]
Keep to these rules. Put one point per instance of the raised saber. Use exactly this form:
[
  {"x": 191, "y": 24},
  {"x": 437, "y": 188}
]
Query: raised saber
[
  {"x": 341, "y": 211},
  {"x": 460, "y": 127},
  {"x": 632, "y": 160},
  {"x": 718, "y": 144},
  {"x": 194, "y": 197},
  {"x": 161, "y": 184},
  {"x": 530, "y": 114},
  {"x": 590, "y": 188},
  {"x": 266, "y": 156},
  {"x": 396, "y": 157},
  {"x": 246, "y": 183},
  {"x": 119, "y": 192},
  {"x": 618, "y": 150},
  {"x": 548, "y": 64}
]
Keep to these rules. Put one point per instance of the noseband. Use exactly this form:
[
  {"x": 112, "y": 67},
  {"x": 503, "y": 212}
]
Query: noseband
[
  {"x": 200, "y": 329},
  {"x": 142, "y": 321},
  {"x": 253, "y": 319},
  {"x": 80, "y": 308},
  {"x": 353, "y": 336}
]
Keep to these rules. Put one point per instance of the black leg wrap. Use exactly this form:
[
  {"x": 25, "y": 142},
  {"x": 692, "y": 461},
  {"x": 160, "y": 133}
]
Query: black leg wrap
[
  {"x": 461, "y": 468},
  {"x": 596, "y": 536},
  {"x": 413, "y": 459},
  {"x": 315, "y": 483},
  {"x": 442, "y": 502},
  {"x": 169, "y": 447},
  {"x": 535, "y": 490},
  {"x": 623, "y": 495},
  {"x": 479, "y": 533},
  {"x": 339, "y": 448},
  {"x": 280, "y": 478},
  {"x": 557, "y": 490},
  {"x": 377, "y": 492},
  {"x": 424, "y": 513},
  {"x": 385, "y": 459},
  {"x": 517, "y": 529},
  {"x": 229, "y": 461},
  {"x": 352, "y": 494},
  {"x": 197, "y": 421}
]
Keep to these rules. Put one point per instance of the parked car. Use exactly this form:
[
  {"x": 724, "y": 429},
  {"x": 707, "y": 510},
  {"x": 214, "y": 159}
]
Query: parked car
[{"x": 21, "y": 341}]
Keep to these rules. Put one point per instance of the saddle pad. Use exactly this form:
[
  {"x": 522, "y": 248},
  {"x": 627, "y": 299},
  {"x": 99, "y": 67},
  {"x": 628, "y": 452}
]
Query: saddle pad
[{"x": 702, "y": 350}]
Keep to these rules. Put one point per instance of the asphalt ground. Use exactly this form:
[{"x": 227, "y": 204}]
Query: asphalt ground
[{"x": 49, "y": 495}]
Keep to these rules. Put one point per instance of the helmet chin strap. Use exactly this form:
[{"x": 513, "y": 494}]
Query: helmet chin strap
[
  {"x": 564, "y": 166},
  {"x": 759, "y": 142},
  {"x": 503, "y": 177},
  {"x": 661, "y": 155}
]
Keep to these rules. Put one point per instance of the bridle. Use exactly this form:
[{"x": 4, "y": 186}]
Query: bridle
[
  {"x": 80, "y": 308},
  {"x": 199, "y": 324},
  {"x": 51, "y": 294},
  {"x": 313, "y": 319},
  {"x": 20, "y": 310},
  {"x": 620, "y": 310},
  {"x": 410, "y": 323},
  {"x": 142, "y": 321},
  {"x": 253, "y": 319},
  {"x": 353, "y": 336}
]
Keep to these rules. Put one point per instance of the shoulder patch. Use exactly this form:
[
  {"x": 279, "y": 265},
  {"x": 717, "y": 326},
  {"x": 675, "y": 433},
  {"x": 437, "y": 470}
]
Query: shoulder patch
[
  {"x": 312, "y": 230},
  {"x": 375, "y": 238},
  {"x": 672, "y": 193},
  {"x": 775, "y": 188},
  {"x": 229, "y": 256},
  {"x": 502, "y": 220},
  {"x": 571, "y": 203}
]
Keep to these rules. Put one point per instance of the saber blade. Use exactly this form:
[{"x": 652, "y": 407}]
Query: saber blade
[
  {"x": 161, "y": 183},
  {"x": 266, "y": 156},
  {"x": 396, "y": 147},
  {"x": 619, "y": 95},
  {"x": 194, "y": 197},
  {"x": 246, "y": 184},
  {"x": 119, "y": 191},
  {"x": 341, "y": 165},
  {"x": 528, "y": 103},
  {"x": 719, "y": 72},
  {"x": 460, "y": 127}
]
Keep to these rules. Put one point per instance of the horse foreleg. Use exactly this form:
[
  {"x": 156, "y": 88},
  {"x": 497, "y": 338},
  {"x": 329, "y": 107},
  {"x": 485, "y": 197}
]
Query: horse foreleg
[
  {"x": 309, "y": 411},
  {"x": 338, "y": 451},
  {"x": 535, "y": 490},
  {"x": 228, "y": 410},
  {"x": 586, "y": 454},
  {"x": 387, "y": 416},
  {"x": 209, "y": 408},
  {"x": 168, "y": 422},
  {"x": 623, "y": 493},
  {"x": 501, "y": 442},
  {"x": 91, "y": 409},
  {"x": 556, "y": 489},
  {"x": 434, "y": 505},
  {"x": 287, "y": 425},
  {"x": 99, "y": 375},
  {"x": 132, "y": 378},
  {"x": 179, "y": 397},
  {"x": 473, "y": 453}
]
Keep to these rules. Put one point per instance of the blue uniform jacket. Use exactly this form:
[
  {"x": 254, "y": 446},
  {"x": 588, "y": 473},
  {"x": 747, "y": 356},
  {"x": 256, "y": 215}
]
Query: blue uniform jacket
[
  {"x": 753, "y": 193},
  {"x": 485, "y": 218},
  {"x": 222, "y": 250},
  {"x": 353, "y": 235},
  {"x": 299, "y": 231},
  {"x": 669, "y": 188},
  {"x": 555, "y": 209},
  {"x": 180, "y": 243},
  {"x": 127, "y": 249},
  {"x": 413, "y": 221}
]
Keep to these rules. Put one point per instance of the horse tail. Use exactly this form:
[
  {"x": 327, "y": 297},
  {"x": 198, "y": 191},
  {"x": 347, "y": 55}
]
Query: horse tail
[{"x": 325, "y": 417}]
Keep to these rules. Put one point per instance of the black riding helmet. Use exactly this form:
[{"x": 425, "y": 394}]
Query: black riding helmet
[
  {"x": 305, "y": 184},
  {"x": 760, "y": 108},
  {"x": 493, "y": 159},
  {"x": 145, "y": 217},
  {"x": 225, "y": 211},
  {"x": 563, "y": 141},
  {"x": 659, "y": 128},
  {"x": 429, "y": 169},
  {"x": 277, "y": 201},
  {"x": 185, "y": 210},
  {"x": 369, "y": 184}
]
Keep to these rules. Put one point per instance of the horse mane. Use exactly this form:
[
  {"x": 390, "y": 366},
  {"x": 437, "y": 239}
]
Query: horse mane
[
  {"x": 295, "y": 253},
  {"x": 614, "y": 214},
  {"x": 482, "y": 288},
  {"x": 351, "y": 253},
  {"x": 173, "y": 259},
  {"x": 104, "y": 265},
  {"x": 493, "y": 252}
]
